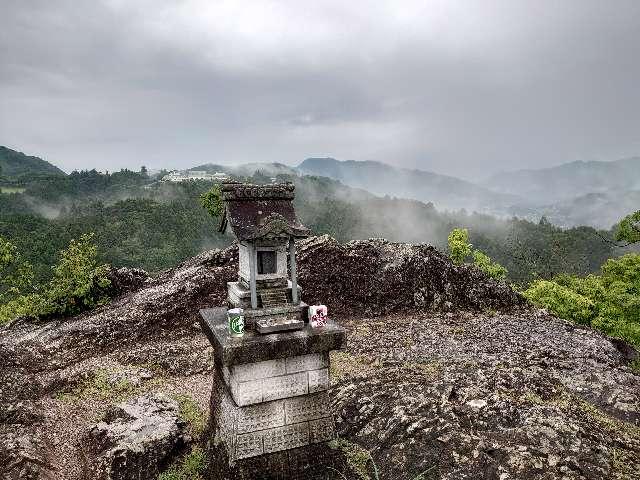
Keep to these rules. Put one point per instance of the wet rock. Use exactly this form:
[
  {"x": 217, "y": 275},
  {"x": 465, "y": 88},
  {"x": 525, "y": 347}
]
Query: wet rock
[
  {"x": 23, "y": 457},
  {"x": 376, "y": 276},
  {"x": 125, "y": 280},
  {"x": 517, "y": 394},
  {"x": 136, "y": 439}
]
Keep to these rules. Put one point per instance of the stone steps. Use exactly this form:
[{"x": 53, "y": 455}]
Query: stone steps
[{"x": 273, "y": 298}]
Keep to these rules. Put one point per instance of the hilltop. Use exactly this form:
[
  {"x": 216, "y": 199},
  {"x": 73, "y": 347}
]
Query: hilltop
[
  {"x": 447, "y": 373},
  {"x": 15, "y": 164}
]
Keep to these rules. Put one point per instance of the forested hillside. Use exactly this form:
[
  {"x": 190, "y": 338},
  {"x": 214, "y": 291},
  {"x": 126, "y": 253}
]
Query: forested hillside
[
  {"x": 139, "y": 222},
  {"x": 17, "y": 165}
]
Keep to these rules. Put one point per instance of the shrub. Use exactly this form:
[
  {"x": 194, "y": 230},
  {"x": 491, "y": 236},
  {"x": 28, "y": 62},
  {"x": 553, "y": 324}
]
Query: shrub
[
  {"x": 484, "y": 263},
  {"x": 609, "y": 302},
  {"x": 562, "y": 301},
  {"x": 79, "y": 283},
  {"x": 460, "y": 249},
  {"x": 459, "y": 246}
]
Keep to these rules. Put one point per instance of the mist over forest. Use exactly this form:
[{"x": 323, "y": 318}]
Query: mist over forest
[
  {"x": 275, "y": 240},
  {"x": 140, "y": 221}
]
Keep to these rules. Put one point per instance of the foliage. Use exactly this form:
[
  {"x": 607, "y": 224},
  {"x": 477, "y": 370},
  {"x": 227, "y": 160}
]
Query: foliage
[
  {"x": 484, "y": 263},
  {"x": 16, "y": 274},
  {"x": 459, "y": 246},
  {"x": 460, "y": 249},
  {"x": 562, "y": 301},
  {"x": 192, "y": 414},
  {"x": 609, "y": 302},
  {"x": 629, "y": 228},
  {"x": 212, "y": 202},
  {"x": 78, "y": 283},
  {"x": 139, "y": 222},
  {"x": 191, "y": 467}
]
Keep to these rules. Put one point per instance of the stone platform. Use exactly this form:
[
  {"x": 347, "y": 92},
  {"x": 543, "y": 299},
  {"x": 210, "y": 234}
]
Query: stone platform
[
  {"x": 254, "y": 347},
  {"x": 268, "y": 427},
  {"x": 269, "y": 394}
]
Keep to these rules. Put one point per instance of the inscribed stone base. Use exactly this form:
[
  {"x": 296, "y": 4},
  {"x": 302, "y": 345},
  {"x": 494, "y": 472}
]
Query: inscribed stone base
[
  {"x": 268, "y": 427},
  {"x": 312, "y": 462}
]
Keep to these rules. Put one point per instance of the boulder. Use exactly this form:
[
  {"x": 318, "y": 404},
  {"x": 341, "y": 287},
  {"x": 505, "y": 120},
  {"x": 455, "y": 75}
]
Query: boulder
[{"x": 136, "y": 439}]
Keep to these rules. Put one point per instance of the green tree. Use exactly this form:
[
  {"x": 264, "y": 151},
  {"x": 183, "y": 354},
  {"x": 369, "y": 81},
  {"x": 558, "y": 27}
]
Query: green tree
[
  {"x": 460, "y": 249},
  {"x": 629, "y": 229},
  {"x": 16, "y": 274},
  {"x": 212, "y": 202},
  {"x": 79, "y": 283},
  {"x": 459, "y": 246}
]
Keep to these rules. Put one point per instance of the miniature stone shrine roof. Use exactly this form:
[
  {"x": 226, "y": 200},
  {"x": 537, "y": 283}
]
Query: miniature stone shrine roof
[{"x": 260, "y": 211}]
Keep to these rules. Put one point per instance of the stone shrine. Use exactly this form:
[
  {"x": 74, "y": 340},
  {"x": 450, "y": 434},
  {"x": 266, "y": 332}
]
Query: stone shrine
[{"x": 269, "y": 402}]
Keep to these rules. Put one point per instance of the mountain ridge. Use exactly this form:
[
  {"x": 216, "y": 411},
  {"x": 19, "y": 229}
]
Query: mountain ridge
[
  {"x": 382, "y": 179},
  {"x": 569, "y": 180},
  {"x": 15, "y": 164}
]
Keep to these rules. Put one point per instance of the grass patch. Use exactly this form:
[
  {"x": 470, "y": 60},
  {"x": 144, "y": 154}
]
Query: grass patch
[
  {"x": 428, "y": 369},
  {"x": 190, "y": 467},
  {"x": 356, "y": 456},
  {"x": 100, "y": 385},
  {"x": 624, "y": 465},
  {"x": 635, "y": 365},
  {"x": 191, "y": 413},
  {"x": 344, "y": 365},
  {"x": 107, "y": 384},
  {"x": 607, "y": 421},
  {"x": 532, "y": 397}
]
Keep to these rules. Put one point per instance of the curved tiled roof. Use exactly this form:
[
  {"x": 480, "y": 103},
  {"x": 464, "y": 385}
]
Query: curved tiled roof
[{"x": 261, "y": 211}]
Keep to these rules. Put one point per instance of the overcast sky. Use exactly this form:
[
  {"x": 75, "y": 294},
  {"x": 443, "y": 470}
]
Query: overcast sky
[{"x": 466, "y": 88}]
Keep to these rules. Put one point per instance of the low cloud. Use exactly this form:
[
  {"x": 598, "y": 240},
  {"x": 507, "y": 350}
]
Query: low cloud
[{"x": 464, "y": 88}]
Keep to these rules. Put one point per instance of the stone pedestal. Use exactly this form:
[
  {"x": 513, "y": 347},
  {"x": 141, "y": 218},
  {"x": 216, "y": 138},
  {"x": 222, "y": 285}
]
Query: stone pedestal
[{"x": 269, "y": 393}]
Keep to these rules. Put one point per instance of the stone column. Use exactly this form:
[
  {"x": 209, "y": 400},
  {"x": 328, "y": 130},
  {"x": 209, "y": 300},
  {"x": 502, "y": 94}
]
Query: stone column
[
  {"x": 252, "y": 274},
  {"x": 294, "y": 273},
  {"x": 270, "y": 406}
]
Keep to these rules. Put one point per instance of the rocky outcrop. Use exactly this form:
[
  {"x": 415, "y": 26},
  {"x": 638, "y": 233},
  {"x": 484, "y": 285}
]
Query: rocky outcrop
[
  {"x": 524, "y": 396},
  {"x": 124, "y": 280},
  {"x": 136, "y": 439},
  {"x": 377, "y": 276},
  {"x": 431, "y": 382}
]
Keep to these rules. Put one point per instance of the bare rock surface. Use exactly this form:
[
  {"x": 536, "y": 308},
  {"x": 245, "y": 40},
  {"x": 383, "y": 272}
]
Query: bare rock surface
[
  {"x": 519, "y": 396},
  {"x": 136, "y": 439},
  {"x": 377, "y": 276},
  {"x": 436, "y": 385}
]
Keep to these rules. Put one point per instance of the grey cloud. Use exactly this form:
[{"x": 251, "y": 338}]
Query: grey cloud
[{"x": 465, "y": 88}]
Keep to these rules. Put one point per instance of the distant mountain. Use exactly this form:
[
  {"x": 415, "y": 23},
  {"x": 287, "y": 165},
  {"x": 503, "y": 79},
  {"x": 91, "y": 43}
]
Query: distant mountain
[
  {"x": 601, "y": 210},
  {"x": 570, "y": 180},
  {"x": 382, "y": 179},
  {"x": 15, "y": 164}
]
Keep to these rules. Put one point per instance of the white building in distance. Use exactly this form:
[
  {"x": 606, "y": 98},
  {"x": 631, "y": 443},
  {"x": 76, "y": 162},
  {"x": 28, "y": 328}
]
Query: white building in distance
[{"x": 186, "y": 175}]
